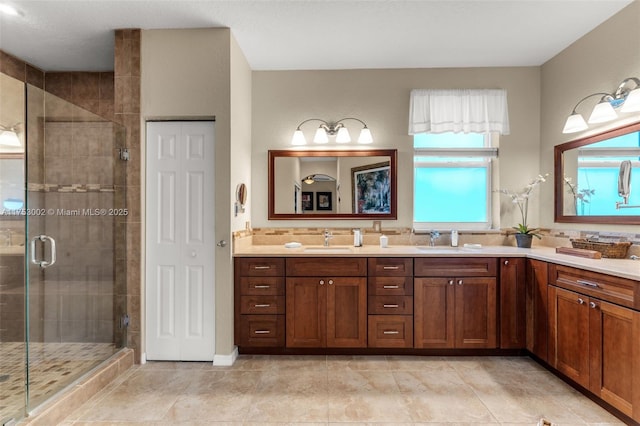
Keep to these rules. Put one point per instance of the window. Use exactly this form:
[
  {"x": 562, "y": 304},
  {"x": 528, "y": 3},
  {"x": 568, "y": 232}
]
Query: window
[{"x": 452, "y": 180}]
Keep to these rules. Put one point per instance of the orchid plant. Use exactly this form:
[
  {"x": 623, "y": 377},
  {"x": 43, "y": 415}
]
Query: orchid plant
[{"x": 521, "y": 199}]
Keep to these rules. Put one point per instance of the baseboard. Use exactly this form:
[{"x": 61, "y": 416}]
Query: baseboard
[{"x": 226, "y": 360}]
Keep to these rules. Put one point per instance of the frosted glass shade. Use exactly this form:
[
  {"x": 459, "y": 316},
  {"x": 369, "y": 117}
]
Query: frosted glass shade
[
  {"x": 321, "y": 136},
  {"x": 602, "y": 113},
  {"x": 343, "y": 135},
  {"x": 365, "y": 136},
  {"x": 575, "y": 123},
  {"x": 298, "y": 138},
  {"x": 9, "y": 138},
  {"x": 632, "y": 103}
]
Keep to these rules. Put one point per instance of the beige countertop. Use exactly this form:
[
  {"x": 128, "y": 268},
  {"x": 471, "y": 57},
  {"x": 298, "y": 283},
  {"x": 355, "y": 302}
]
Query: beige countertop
[{"x": 625, "y": 268}]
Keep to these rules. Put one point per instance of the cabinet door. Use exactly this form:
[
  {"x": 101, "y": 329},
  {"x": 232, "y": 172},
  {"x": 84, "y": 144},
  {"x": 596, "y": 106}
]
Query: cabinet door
[
  {"x": 615, "y": 355},
  {"x": 475, "y": 313},
  {"x": 569, "y": 349},
  {"x": 512, "y": 303},
  {"x": 346, "y": 312},
  {"x": 537, "y": 308},
  {"x": 306, "y": 307},
  {"x": 434, "y": 312}
]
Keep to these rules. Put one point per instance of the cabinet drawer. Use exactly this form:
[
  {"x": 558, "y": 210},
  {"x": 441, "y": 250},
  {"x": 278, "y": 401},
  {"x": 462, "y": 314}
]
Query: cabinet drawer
[
  {"x": 391, "y": 266},
  {"x": 260, "y": 266},
  {"x": 390, "y": 286},
  {"x": 455, "y": 267},
  {"x": 617, "y": 290},
  {"x": 261, "y": 286},
  {"x": 326, "y": 267},
  {"x": 390, "y": 305},
  {"x": 390, "y": 331},
  {"x": 262, "y": 330},
  {"x": 262, "y": 305}
]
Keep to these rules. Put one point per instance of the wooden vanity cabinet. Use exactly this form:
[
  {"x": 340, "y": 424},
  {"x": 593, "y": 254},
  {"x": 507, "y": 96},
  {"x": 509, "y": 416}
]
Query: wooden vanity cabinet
[
  {"x": 390, "y": 303},
  {"x": 593, "y": 341},
  {"x": 513, "y": 303},
  {"x": 259, "y": 302},
  {"x": 455, "y": 303},
  {"x": 326, "y": 302},
  {"x": 537, "y": 308}
]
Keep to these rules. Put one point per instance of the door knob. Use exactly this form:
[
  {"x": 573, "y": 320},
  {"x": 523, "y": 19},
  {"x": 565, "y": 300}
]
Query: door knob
[
  {"x": 221, "y": 243},
  {"x": 193, "y": 254}
]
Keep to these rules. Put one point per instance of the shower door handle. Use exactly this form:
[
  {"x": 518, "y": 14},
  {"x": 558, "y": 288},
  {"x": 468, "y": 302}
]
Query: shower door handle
[{"x": 43, "y": 263}]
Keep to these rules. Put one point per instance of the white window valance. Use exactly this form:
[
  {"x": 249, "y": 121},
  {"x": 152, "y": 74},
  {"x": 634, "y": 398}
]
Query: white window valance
[{"x": 458, "y": 110}]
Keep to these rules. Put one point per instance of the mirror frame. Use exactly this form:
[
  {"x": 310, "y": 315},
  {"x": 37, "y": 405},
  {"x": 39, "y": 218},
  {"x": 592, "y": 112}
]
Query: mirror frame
[
  {"x": 393, "y": 162},
  {"x": 558, "y": 162}
]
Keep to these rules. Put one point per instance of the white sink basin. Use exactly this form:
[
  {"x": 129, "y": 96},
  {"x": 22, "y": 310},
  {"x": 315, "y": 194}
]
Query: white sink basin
[
  {"x": 328, "y": 250},
  {"x": 438, "y": 248}
]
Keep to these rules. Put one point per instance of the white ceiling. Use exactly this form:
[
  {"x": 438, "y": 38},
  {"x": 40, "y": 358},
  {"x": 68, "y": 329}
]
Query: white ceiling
[{"x": 314, "y": 34}]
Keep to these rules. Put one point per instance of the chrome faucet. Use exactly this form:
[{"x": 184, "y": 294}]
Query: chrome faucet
[
  {"x": 327, "y": 237},
  {"x": 433, "y": 236}
]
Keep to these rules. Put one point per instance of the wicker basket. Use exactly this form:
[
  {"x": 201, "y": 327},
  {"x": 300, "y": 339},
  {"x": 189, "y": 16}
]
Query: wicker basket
[{"x": 610, "y": 250}]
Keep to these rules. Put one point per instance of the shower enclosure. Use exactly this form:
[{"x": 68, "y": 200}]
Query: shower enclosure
[{"x": 62, "y": 250}]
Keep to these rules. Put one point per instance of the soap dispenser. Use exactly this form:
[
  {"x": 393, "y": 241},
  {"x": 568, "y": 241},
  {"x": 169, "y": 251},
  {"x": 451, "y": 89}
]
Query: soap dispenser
[
  {"x": 454, "y": 238},
  {"x": 357, "y": 238}
]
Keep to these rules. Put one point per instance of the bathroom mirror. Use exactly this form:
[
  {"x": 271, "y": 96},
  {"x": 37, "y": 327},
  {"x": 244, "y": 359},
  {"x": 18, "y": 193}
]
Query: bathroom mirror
[
  {"x": 346, "y": 184},
  {"x": 597, "y": 178}
]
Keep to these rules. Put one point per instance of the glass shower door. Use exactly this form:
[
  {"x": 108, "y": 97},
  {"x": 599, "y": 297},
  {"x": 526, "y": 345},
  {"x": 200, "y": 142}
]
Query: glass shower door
[{"x": 75, "y": 263}]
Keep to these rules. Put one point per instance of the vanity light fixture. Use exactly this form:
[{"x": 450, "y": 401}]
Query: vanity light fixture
[
  {"x": 332, "y": 128},
  {"x": 9, "y": 136},
  {"x": 7, "y": 9},
  {"x": 625, "y": 98}
]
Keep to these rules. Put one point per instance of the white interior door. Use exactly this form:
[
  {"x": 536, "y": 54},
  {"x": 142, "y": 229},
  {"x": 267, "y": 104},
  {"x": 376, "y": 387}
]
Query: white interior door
[{"x": 180, "y": 241}]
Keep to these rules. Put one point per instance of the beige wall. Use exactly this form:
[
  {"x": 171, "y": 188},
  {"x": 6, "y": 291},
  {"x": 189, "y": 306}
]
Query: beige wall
[
  {"x": 240, "y": 147},
  {"x": 282, "y": 99},
  {"x": 597, "y": 62},
  {"x": 188, "y": 74}
]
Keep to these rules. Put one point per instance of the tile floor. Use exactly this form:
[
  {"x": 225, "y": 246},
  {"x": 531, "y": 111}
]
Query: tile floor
[
  {"x": 52, "y": 366},
  {"x": 326, "y": 390}
]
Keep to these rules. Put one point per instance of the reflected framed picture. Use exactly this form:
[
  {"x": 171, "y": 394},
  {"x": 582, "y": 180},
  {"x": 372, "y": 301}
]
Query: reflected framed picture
[
  {"x": 371, "y": 188},
  {"x": 307, "y": 201},
  {"x": 323, "y": 201}
]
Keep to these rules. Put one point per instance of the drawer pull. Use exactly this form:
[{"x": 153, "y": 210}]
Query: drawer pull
[
  {"x": 261, "y": 286},
  {"x": 589, "y": 283},
  {"x": 390, "y": 286},
  {"x": 391, "y": 332},
  {"x": 389, "y": 306},
  {"x": 393, "y": 268},
  {"x": 261, "y": 305},
  {"x": 262, "y": 332},
  {"x": 261, "y": 267}
]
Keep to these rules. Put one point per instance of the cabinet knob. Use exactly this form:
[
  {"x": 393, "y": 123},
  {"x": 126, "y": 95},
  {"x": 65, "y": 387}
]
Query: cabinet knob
[
  {"x": 580, "y": 300},
  {"x": 330, "y": 282},
  {"x": 321, "y": 282},
  {"x": 460, "y": 282},
  {"x": 450, "y": 282},
  {"x": 506, "y": 262},
  {"x": 593, "y": 305}
]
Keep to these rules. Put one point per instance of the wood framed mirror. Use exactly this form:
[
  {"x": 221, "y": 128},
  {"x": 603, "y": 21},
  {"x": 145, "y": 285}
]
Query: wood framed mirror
[
  {"x": 345, "y": 184},
  {"x": 588, "y": 177}
]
